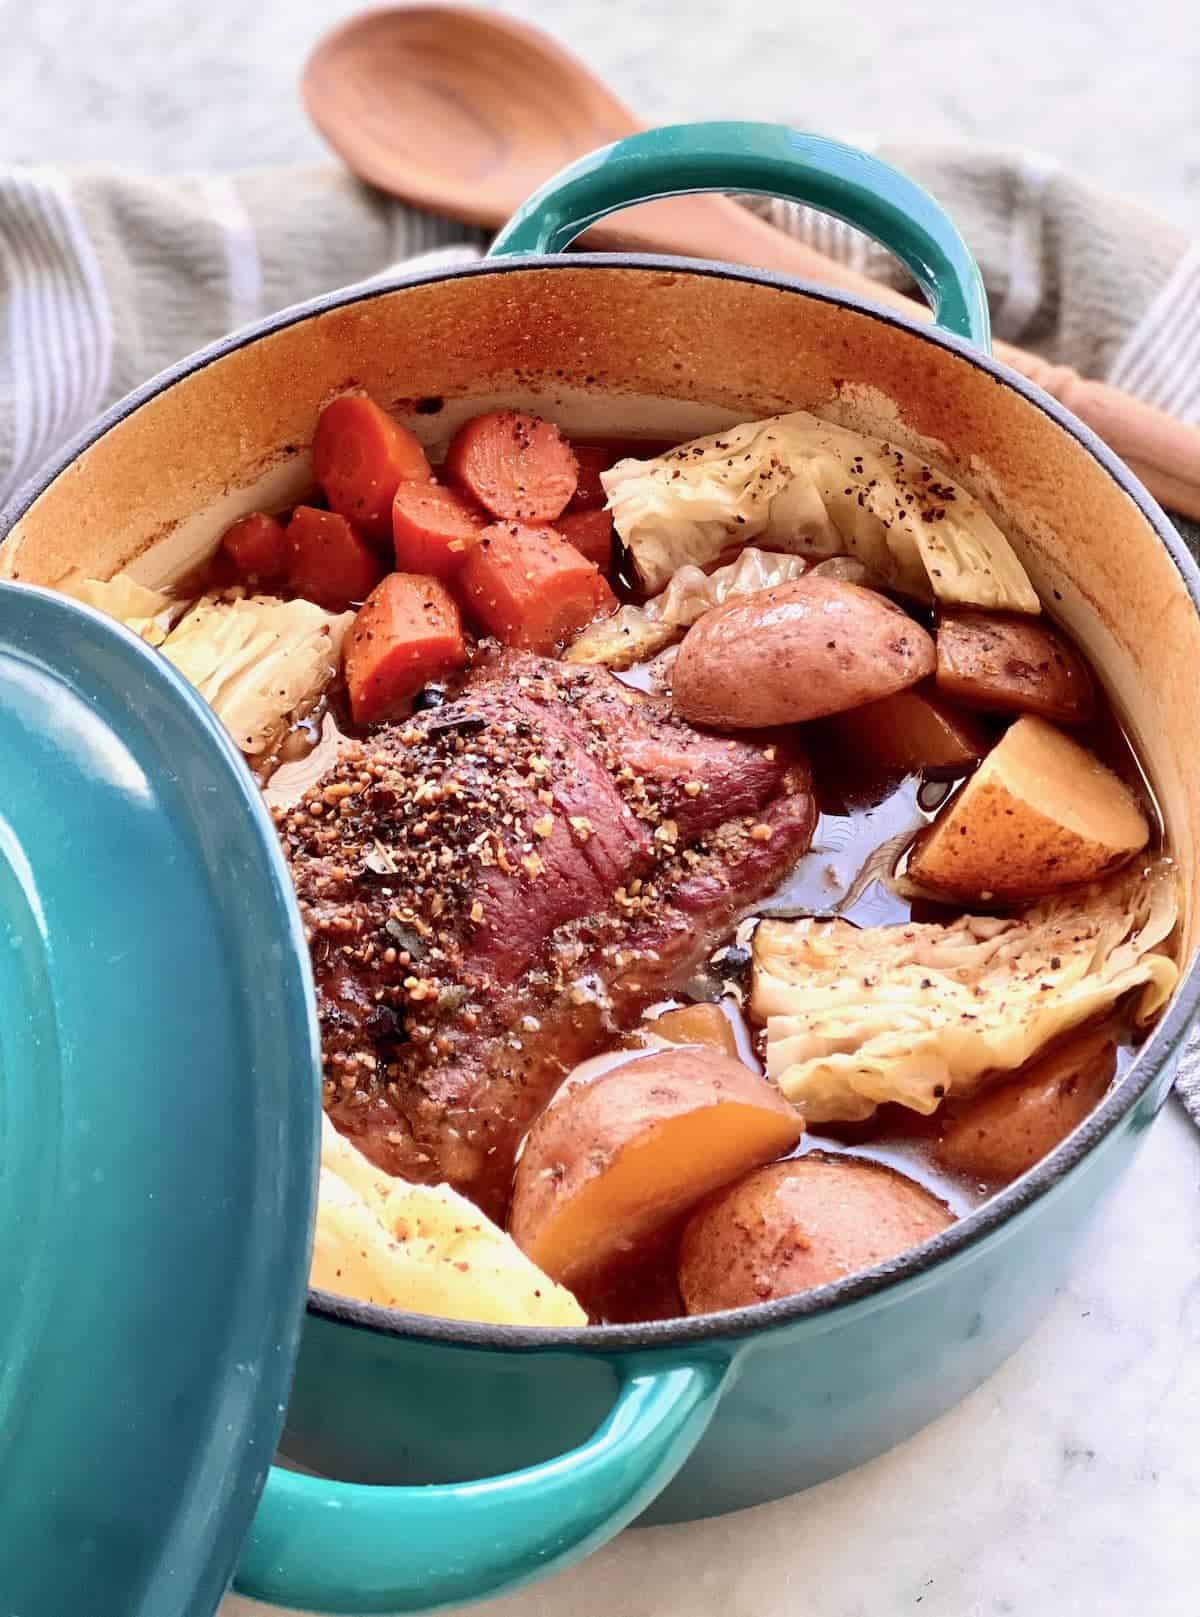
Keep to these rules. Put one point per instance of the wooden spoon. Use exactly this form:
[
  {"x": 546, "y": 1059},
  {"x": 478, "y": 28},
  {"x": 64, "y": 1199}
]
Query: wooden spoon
[{"x": 465, "y": 112}]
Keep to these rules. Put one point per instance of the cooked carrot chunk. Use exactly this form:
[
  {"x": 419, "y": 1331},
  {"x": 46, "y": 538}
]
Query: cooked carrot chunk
[
  {"x": 359, "y": 456},
  {"x": 327, "y": 561},
  {"x": 408, "y": 633},
  {"x": 591, "y": 532},
  {"x": 518, "y": 467},
  {"x": 530, "y": 588},
  {"x": 257, "y": 546},
  {"x": 433, "y": 527},
  {"x": 591, "y": 459}
]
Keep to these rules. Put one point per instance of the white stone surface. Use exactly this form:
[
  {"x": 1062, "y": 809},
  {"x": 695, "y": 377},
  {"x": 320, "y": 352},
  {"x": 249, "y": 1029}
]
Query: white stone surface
[{"x": 1067, "y": 1486}]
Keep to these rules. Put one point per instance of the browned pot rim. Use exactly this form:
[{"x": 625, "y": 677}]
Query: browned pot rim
[{"x": 1151, "y": 1064}]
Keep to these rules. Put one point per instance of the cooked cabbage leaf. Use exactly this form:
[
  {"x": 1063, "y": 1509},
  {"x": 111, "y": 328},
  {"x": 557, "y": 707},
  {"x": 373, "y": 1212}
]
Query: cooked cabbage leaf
[
  {"x": 149, "y": 613},
  {"x": 859, "y": 1016},
  {"x": 258, "y": 661},
  {"x": 634, "y": 633},
  {"x": 422, "y": 1247},
  {"x": 799, "y": 484},
  {"x": 289, "y": 782}
]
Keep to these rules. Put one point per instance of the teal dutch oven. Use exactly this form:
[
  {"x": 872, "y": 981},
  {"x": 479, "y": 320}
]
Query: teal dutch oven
[{"x": 158, "y": 1062}]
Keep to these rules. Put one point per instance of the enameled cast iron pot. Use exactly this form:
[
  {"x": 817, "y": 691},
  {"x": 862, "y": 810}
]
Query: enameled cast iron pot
[{"x": 542, "y": 1444}]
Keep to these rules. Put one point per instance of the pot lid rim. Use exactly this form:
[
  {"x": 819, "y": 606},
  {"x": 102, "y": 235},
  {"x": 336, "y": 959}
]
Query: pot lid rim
[{"x": 159, "y": 1208}]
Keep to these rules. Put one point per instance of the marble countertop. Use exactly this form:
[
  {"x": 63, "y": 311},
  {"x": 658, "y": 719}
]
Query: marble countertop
[{"x": 1067, "y": 1486}]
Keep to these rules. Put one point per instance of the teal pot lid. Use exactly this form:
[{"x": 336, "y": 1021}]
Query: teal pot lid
[{"x": 159, "y": 1127}]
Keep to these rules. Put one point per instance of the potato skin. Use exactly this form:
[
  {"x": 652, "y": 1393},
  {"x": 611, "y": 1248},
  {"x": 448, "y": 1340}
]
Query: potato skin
[
  {"x": 616, "y": 1159},
  {"x": 1000, "y": 662},
  {"x": 1003, "y": 1132},
  {"x": 799, "y": 1224},
  {"x": 800, "y": 650}
]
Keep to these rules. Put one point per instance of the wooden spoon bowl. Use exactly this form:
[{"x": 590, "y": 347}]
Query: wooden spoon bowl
[
  {"x": 466, "y": 113},
  {"x": 456, "y": 110}
]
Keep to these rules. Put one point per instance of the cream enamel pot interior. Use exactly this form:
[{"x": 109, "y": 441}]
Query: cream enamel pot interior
[{"x": 787, "y": 1393}]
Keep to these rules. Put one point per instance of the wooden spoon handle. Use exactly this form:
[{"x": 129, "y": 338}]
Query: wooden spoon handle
[
  {"x": 1160, "y": 450},
  {"x": 714, "y": 227}
]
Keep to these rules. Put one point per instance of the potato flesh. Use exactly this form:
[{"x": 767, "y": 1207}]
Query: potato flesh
[
  {"x": 701, "y": 1024},
  {"x": 1040, "y": 814},
  {"x": 618, "y": 1159},
  {"x": 908, "y": 733},
  {"x": 797, "y": 651},
  {"x": 1005, "y": 1130},
  {"x": 1013, "y": 665},
  {"x": 799, "y": 1224}
]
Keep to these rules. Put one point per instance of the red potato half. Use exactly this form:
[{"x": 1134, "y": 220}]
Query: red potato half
[
  {"x": 1005, "y": 663},
  {"x": 1006, "y": 1130},
  {"x": 800, "y": 1224},
  {"x": 615, "y": 1160},
  {"x": 797, "y": 651}
]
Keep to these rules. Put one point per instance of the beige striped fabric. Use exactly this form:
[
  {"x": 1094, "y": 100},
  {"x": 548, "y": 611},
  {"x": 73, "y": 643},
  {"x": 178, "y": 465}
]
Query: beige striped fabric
[
  {"x": 1160, "y": 359},
  {"x": 105, "y": 278}
]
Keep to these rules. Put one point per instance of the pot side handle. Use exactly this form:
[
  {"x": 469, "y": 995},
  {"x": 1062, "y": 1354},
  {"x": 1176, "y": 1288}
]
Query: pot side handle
[
  {"x": 324, "y": 1546},
  {"x": 766, "y": 160}
]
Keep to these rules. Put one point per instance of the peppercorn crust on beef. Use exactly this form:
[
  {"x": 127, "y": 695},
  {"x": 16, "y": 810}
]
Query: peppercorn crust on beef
[{"x": 495, "y": 886}]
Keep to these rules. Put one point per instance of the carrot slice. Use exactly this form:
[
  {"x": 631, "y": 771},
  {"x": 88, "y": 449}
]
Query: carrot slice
[
  {"x": 532, "y": 589},
  {"x": 591, "y": 532},
  {"x": 517, "y": 466},
  {"x": 359, "y": 456},
  {"x": 257, "y": 546},
  {"x": 327, "y": 561},
  {"x": 433, "y": 527},
  {"x": 408, "y": 633}
]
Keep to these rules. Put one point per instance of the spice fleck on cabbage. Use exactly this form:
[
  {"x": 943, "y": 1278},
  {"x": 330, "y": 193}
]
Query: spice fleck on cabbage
[{"x": 798, "y": 484}]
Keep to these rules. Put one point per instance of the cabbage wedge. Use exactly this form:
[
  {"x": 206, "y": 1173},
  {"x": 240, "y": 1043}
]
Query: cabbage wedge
[
  {"x": 797, "y": 484},
  {"x": 259, "y": 662},
  {"x": 423, "y": 1248},
  {"x": 149, "y": 613},
  {"x": 858, "y": 1016}
]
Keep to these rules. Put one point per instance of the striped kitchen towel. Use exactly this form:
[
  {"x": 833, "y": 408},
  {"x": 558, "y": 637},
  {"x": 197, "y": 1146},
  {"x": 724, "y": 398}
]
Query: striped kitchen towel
[{"x": 105, "y": 278}]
